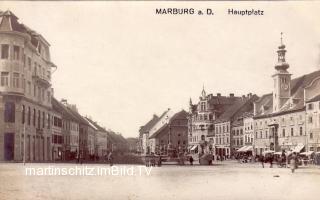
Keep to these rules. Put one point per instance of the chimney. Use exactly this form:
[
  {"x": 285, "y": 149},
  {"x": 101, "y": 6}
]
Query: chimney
[
  {"x": 249, "y": 95},
  {"x": 64, "y": 102},
  {"x": 219, "y": 94},
  {"x": 231, "y": 94}
]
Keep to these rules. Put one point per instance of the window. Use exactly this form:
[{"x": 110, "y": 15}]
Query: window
[
  {"x": 301, "y": 131},
  {"x": 283, "y": 132},
  {"x": 310, "y": 119},
  {"x": 34, "y": 117},
  {"x": 291, "y": 131},
  {"x": 48, "y": 121},
  {"x": 16, "y": 80},
  {"x": 29, "y": 63},
  {"x": 29, "y": 87},
  {"x": 39, "y": 119},
  {"x": 23, "y": 114},
  {"x": 16, "y": 51},
  {"x": 311, "y": 135},
  {"x": 310, "y": 106},
  {"x": 4, "y": 78},
  {"x": 24, "y": 60},
  {"x": 34, "y": 90},
  {"x": 9, "y": 112},
  {"x": 43, "y": 119},
  {"x": 29, "y": 116},
  {"x": 4, "y": 51}
]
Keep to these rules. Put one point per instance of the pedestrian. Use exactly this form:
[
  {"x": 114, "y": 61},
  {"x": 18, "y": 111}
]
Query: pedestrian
[
  {"x": 262, "y": 160},
  {"x": 110, "y": 158},
  {"x": 293, "y": 162},
  {"x": 191, "y": 160},
  {"x": 271, "y": 160},
  {"x": 159, "y": 161}
]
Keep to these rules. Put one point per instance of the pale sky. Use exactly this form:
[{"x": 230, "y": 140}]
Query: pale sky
[{"x": 120, "y": 63}]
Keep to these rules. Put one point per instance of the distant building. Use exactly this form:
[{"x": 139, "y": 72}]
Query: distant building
[
  {"x": 143, "y": 147},
  {"x": 174, "y": 133},
  {"x": 132, "y": 144}
]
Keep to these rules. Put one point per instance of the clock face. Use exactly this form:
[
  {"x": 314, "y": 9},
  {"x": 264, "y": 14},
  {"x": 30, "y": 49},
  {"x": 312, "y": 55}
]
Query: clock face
[{"x": 285, "y": 86}]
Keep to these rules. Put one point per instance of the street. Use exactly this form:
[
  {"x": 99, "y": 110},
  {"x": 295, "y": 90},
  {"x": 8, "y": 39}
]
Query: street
[{"x": 226, "y": 180}]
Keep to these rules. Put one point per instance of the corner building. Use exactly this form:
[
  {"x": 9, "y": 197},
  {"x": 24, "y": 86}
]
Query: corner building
[
  {"x": 25, "y": 92},
  {"x": 280, "y": 118}
]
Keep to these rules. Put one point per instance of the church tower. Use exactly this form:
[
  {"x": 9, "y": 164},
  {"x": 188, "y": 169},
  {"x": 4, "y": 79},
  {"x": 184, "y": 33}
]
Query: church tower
[{"x": 281, "y": 79}]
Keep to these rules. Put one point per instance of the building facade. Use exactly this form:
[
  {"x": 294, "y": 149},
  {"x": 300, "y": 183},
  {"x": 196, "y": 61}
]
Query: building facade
[
  {"x": 25, "y": 92},
  {"x": 280, "y": 118},
  {"x": 174, "y": 135},
  {"x": 202, "y": 117}
]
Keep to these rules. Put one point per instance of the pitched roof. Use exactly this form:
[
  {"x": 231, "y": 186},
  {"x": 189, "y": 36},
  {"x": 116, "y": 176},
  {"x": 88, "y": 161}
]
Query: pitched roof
[
  {"x": 316, "y": 98},
  {"x": 177, "y": 116},
  {"x": 9, "y": 22},
  {"x": 235, "y": 108},
  {"x": 297, "y": 96},
  {"x": 146, "y": 128},
  {"x": 60, "y": 108},
  {"x": 98, "y": 127}
]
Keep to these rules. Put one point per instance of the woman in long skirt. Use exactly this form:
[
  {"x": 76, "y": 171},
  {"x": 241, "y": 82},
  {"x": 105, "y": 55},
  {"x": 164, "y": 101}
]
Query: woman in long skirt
[{"x": 293, "y": 162}]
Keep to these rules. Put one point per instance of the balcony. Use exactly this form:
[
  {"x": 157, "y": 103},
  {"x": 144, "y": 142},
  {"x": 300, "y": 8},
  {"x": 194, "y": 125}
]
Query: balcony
[
  {"x": 41, "y": 80},
  {"x": 39, "y": 131}
]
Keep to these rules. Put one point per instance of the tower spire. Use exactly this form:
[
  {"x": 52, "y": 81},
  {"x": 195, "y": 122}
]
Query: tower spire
[
  {"x": 282, "y": 65},
  {"x": 203, "y": 92}
]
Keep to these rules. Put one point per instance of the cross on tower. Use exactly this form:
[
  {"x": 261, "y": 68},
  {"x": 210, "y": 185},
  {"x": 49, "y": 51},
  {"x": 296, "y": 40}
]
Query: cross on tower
[{"x": 281, "y": 38}]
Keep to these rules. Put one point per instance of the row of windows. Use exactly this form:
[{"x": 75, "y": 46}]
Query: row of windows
[
  {"x": 283, "y": 133},
  {"x": 36, "y": 117},
  {"x": 20, "y": 82},
  {"x": 38, "y": 70},
  {"x": 222, "y": 140},
  {"x": 237, "y": 132},
  {"x": 238, "y": 142},
  {"x": 204, "y": 117},
  {"x": 68, "y": 125},
  {"x": 311, "y": 106},
  {"x": 222, "y": 128}
]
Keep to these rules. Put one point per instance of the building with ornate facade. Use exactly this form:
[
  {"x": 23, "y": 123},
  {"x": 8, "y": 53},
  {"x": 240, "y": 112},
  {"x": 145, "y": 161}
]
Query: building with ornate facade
[
  {"x": 202, "y": 117},
  {"x": 25, "y": 92},
  {"x": 280, "y": 118}
]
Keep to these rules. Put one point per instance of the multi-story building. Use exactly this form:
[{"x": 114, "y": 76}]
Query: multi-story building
[
  {"x": 144, "y": 135},
  {"x": 173, "y": 134},
  {"x": 280, "y": 117},
  {"x": 25, "y": 92},
  {"x": 101, "y": 139},
  {"x": 70, "y": 130},
  {"x": 57, "y": 136},
  {"x": 313, "y": 123},
  {"x": 229, "y": 127},
  {"x": 201, "y": 125},
  {"x": 248, "y": 129},
  {"x": 161, "y": 123}
]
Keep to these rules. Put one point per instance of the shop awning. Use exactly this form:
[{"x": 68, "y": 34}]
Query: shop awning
[
  {"x": 249, "y": 148},
  {"x": 268, "y": 151},
  {"x": 194, "y": 147},
  {"x": 298, "y": 148},
  {"x": 242, "y": 149},
  {"x": 307, "y": 153}
]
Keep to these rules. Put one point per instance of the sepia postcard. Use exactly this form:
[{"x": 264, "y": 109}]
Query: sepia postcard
[{"x": 159, "y": 100}]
